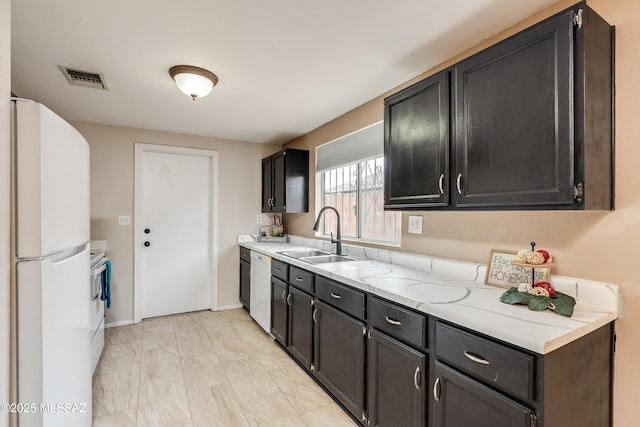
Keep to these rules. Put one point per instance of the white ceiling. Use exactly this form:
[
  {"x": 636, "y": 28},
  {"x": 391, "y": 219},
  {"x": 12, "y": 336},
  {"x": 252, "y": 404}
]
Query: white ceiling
[{"x": 285, "y": 66}]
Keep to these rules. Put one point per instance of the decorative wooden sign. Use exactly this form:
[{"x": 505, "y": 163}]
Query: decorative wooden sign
[{"x": 501, "y": 271}]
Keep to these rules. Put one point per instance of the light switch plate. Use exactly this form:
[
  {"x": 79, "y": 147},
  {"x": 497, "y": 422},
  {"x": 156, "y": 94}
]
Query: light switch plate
[
  {"x": 124, "y": 220},
  {"x": 415, "y": 224},
  {"x": 259, "y": 219}
]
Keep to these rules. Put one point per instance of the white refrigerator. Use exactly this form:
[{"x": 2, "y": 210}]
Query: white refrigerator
[{"x": 51, "y": 277}]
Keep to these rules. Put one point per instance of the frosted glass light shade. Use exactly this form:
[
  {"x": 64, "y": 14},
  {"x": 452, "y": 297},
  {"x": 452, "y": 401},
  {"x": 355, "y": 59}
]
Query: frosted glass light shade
[{"x": 193, "y": 81}]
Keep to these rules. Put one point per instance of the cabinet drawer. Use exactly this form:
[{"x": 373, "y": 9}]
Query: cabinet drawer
[
  {"x": 342, "y": 297},
  {"x": 280, "y": 270},
  {"x": 398, "y": 322},
  {"x": 245, "y": 254},
  {"x": 496, "y": 364},
  {"x": 301, "y": 279}
]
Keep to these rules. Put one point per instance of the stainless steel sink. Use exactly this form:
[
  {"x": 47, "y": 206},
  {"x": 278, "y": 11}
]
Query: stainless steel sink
[
  {"x": 303, "y": 254},
  {"x": 324, "y": 259}
]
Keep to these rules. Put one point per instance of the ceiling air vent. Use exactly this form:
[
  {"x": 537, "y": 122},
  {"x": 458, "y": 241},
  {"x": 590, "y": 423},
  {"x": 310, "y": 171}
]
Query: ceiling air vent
[{"x": 83, "y": 78}]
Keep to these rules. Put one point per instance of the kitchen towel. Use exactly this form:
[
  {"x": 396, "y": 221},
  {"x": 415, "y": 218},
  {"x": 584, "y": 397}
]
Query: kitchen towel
[{"x": 105, "y": 279}]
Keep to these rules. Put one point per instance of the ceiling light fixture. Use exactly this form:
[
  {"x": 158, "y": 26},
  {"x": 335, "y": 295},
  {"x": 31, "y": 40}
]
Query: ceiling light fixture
[{"x": 193, "y": 81}]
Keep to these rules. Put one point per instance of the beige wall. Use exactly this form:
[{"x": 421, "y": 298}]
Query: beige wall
[
  {"x": 112, "y": 188},
  {"x": 594, "y": 245},
  {"x": 5, "y": 167}
]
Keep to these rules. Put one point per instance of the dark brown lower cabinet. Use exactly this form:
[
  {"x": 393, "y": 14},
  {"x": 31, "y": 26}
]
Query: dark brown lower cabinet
[
  {"x": 462, "y": 401},
  {"x": 300, "y": 326},
  {"x": 279, "y": 310},
  {"x": 403, "y": 368},
  {"x": 397, "y": 380},
  {"x": 339, "y": 361}
]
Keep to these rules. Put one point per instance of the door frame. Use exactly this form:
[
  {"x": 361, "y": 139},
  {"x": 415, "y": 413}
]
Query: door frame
[{"x": 140, "y": 149}]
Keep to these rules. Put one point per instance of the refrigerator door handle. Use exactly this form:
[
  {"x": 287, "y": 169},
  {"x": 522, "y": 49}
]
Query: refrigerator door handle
[{"x": 59, "y": 256}]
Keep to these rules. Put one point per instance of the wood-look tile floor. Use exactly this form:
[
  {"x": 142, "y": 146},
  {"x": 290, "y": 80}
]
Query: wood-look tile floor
[{"x": 204, "y": 369}]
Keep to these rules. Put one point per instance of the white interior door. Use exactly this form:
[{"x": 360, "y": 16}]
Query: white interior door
[{"x": 175, "y": 233}]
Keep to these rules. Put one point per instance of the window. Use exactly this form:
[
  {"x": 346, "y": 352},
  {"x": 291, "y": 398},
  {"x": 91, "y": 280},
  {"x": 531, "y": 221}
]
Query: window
[{"x": 351, "y": 179}]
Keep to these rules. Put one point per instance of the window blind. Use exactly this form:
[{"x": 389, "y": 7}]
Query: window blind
[{"x": 362, "y": 144}]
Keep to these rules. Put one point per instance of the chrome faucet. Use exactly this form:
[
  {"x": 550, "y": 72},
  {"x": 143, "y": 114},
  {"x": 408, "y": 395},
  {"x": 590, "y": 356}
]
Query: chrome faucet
[{"x": 338, "y": 239}]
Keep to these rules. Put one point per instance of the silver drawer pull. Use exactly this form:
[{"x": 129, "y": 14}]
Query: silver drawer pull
[
  {"x": 440, "y": 184},
  {"x": 459, "y": 183},
  {"x": 299, "y": 279},
  {"x": 436, "y": 390},
  {"x": 278, "y": 270},
  {"x": 416, "y": 378},
  {"x": 476, "y": 358},
  {"x": 284, "y": 297},
  {"x": 336, "y": 296},
  {"x": 289, "y": 299},
  {"x": 392, "y": 321},
  {"x": 315, "y": 315}
]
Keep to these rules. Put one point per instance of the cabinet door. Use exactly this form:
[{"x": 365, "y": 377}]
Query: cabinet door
[
  {"x": 396, "y": 383},
  {"x": 461, "y": 401},
  {"x": 339, "y": 356},
  {"x": 245, "y": 283},
  {"x": 267, "y": 184},
  {"x": 278, "y": 203},
  {"x": 300, "y": 325},
  {"x": 279, "y": 312},
  {"x": 513, "y": 106},
  {"x": 416, "y": 147}
]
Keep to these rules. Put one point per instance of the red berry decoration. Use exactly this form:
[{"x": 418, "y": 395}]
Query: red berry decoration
[
  {"x": 544, "y": 253},
  {"x": 546, "y": 285}
]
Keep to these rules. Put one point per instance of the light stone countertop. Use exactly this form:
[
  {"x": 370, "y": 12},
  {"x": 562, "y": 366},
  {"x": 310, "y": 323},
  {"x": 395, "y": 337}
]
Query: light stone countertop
[{"x": 455, "y": 291}]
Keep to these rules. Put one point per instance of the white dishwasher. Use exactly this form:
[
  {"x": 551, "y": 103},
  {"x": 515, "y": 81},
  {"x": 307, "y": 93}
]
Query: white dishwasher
[{"x": 260, "y": 295}]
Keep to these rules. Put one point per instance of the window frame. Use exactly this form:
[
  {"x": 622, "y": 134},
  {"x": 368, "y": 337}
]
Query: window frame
[{"x": 320, "y": 199}]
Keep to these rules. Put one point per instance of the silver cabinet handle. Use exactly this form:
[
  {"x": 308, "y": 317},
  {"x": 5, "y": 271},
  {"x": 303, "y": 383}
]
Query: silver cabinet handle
[
  {"x": 459, "y": 183},
  {"x": 416, "y": 378},
  {"x": 278, "y": 270},
  {"x": 436, "y": 390},
  {"x": 336, "y": 296},
  {"x": 299, "y": 279},
  {"x": 284, "y": 297},
  {"x": 441, "y": 183},
  {"x": 289, "y": 300},
  {"x": 315, "y": 315},
  {"x": 392, "y": 321},
  {"x": 476, "y": 358}
]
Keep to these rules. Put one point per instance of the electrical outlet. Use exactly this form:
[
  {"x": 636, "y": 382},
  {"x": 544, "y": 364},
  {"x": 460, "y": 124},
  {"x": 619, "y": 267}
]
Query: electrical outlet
[
  {"x": 124, "y": 220},
  {"x": 259, "y": 219},
  {"x": 415, "y": 224}
]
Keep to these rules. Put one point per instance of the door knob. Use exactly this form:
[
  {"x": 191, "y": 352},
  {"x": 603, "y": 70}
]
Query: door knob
[
  {"x": 147, "y": 231},
  {"x": 147, "y": 244}
]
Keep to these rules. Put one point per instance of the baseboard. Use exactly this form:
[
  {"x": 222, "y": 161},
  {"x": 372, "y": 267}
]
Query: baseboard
[
  {"x": 130, "y": 322},
  {"x": 116, "y": 324},
  {"x": 229, "y": 307}
]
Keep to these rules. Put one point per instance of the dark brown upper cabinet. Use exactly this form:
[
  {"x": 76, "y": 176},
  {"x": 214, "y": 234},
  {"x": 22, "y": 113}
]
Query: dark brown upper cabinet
[
  {"x": 285, "y": 181},
  {"x": 417, "y": 145},
  {"x": 531, "y": 124}
]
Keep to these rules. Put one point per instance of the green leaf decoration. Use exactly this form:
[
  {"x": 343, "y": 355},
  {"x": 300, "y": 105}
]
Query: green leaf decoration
[
  {"x": 512, "y": 296},
  {"x": 560, "y": 303},
  {"x": 563, "y": 304},
  {"x": 539, "y": 303}
]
